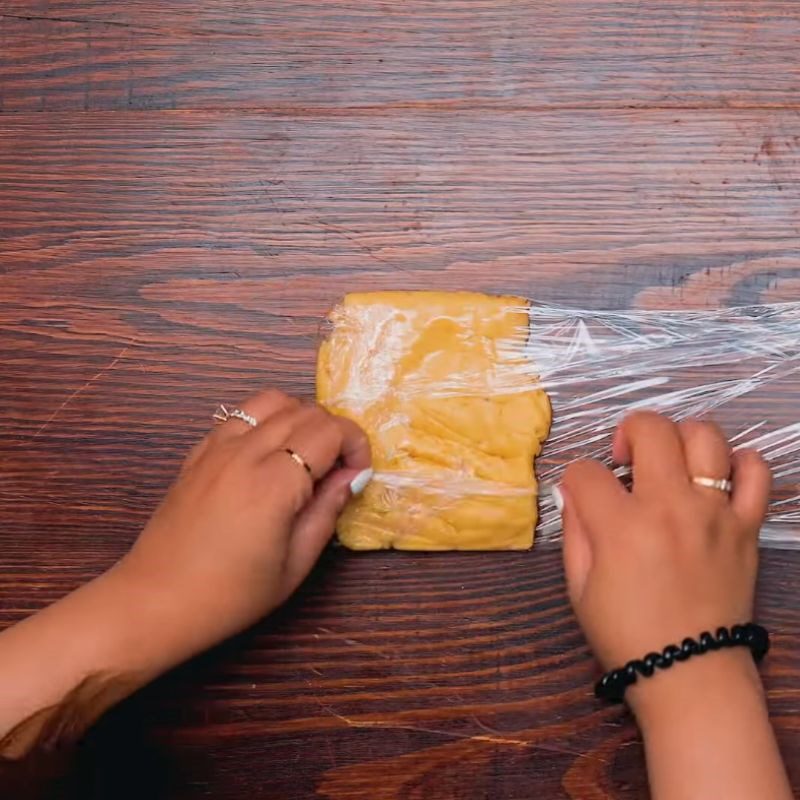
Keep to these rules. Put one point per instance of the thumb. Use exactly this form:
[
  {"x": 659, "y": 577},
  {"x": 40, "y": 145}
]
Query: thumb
[
  {"x": 589, "y": 494},
  {"x": 316, "y": 522},
  {"x": 577, "y": 549}
]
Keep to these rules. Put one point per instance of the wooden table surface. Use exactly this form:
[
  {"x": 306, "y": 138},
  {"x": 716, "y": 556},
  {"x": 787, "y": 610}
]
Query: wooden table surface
[{"x": 187, "y": 187}]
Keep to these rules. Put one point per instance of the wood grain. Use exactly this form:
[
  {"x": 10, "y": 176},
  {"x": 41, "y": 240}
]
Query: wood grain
[
  {"x": 185, "y": 189},
  {"x": 341, "y": 55}
]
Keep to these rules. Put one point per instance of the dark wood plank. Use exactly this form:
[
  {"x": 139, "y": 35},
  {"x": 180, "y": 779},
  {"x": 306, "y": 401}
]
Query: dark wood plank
[
  {"x": 154, "y": 262},
  {"x": 63, "y": 54},
  {"x": 399, "y": 675}
]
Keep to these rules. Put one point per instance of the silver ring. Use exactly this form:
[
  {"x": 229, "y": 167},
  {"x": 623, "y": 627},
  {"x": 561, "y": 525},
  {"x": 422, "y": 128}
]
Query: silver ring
[
  {"x": 723, "y": 484},
  {"x": 223, "y": 414}
]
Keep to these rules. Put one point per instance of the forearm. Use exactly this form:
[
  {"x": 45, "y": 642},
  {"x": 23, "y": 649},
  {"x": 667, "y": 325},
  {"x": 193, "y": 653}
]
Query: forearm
[
  {"x": 66, "y": 665},
  {"x": 707, "y": 732}
]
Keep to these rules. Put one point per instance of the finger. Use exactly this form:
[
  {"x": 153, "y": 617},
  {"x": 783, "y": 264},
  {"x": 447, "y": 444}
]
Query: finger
[
  {"x": 294, "y": 428},
  {"x": 595, "y": 497},
  {"x": 318, "y": 444},
  {"x": 576, "y": 550},
  {"x": 652, "y": 445},
  {"x": 324, "y": 438},
  {"x": 707, "y": 454},
  {"x": 355, "y": 450},
  {"x": 261, "y": 406},
  {"x": 316, "y": 523},
  {"x": 752, "y": 481},
  {"x": 275, "y": 432}
]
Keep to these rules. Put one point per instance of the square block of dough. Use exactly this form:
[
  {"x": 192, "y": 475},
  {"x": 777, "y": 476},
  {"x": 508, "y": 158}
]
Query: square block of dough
[{"x": 442, "y": 385}]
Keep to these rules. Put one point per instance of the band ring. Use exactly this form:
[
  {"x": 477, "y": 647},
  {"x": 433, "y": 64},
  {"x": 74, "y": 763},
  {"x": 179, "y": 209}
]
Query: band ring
[
  {"x": 223, "y": 414},
  {"x": 722, "y": 484},
  {"x": 298, "y": 459}
]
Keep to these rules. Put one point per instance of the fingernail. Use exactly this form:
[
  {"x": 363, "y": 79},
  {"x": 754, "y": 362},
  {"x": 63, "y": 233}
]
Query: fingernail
[
  {"x": 359, "y": 483},
  {"x": 558, "y": 498}
]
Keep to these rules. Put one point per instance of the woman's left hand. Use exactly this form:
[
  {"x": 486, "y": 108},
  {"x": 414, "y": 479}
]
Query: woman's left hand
[
  {"x": 246, "y": 519},
  {"x": 249, "y": 514}
]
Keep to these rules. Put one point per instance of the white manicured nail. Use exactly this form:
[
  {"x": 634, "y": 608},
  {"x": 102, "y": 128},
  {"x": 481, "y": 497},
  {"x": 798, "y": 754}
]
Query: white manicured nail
[
  {"x": 558, "y": 498},
  {"x": 359, "y": 483}
]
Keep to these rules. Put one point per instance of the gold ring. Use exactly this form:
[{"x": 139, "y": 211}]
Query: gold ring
[
  {"x": 298, "y": 459},
  {"x": 722, "y": 484}
]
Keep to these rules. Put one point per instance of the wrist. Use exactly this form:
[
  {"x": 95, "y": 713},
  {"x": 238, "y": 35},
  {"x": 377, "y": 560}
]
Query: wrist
[
  {"x": 114, "y": 627},
  {"x": 706, "y": 729},
  {"x": 722, "y": 676},
  {"x": 159, "y": 630}
]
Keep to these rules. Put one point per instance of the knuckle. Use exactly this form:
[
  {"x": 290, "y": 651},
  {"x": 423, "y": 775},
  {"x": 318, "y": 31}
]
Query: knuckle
[
  {"x": 691, "y": 427},
  {"x": 272, "y": 395},
  {"x": 322, "y": 414},
  {"x": 752, "y": 459},
  {"x": 353, "y": 431},
  {"x": 573, "y": 471},
  {"x": 314, "y": 413},
  {"x": 646, "y": 418},
  {"x": 270, "y": 401},
  {"x": 325, "y": 428},
  {"x": 645, "y": 423},
  {"x": 332, "y": 430},
  {"x": 306, "y": 415},
  {"x": 703, "y": 432},
  {"x": 582, "y": 470}
]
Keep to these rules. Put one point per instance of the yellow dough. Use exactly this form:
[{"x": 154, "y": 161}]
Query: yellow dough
[{"x": 442, "y": 386}]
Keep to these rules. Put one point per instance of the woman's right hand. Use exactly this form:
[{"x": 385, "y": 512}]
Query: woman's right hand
[{"x": 668, "y": 559}]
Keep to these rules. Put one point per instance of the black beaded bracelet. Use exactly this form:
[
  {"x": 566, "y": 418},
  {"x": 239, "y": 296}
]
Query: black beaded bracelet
[{"x": 613, "y": 684}]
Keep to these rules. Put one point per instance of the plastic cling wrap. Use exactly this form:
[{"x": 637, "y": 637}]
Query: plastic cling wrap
[{"x": 740, "y": 366}]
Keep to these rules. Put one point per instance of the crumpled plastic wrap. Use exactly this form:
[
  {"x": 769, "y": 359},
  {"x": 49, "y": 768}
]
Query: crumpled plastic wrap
[{"x": 739, "y": 366}]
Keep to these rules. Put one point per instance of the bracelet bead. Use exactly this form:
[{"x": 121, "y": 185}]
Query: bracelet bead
[
  {"x": 688, "y": 648},
  {"x": 739, "y": 634},
  {"x": 671, "y": 654},
  {"x": 651, "y": 661},
  {"x": 706, "y": 642}
]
